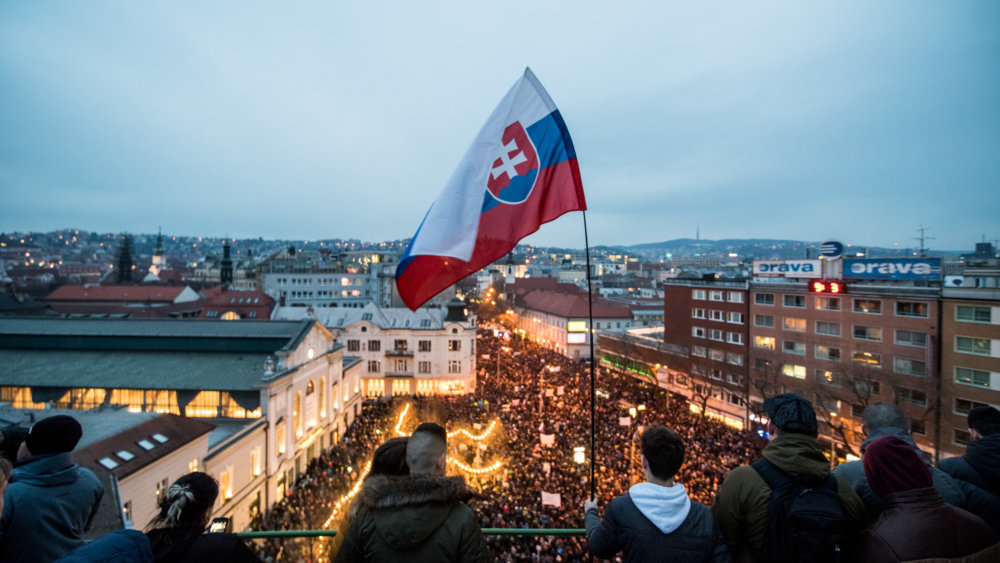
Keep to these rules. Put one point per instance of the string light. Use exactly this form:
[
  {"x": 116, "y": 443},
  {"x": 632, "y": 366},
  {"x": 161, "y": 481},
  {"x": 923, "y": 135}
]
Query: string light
[
  {"x": 496, "y": 465},
  {"x": 475, "y": 438},
  {"x": 399, "y": 422}
]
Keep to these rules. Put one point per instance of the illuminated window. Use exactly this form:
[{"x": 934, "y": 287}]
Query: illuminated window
[
  {"x": 280, "y": 439},
  {"x": 576, "y": 326},
  {"x": 828, "y": 303},
  {"x": 767, "y": 342},
  {"x": 454, "y": 345},
  {"x": 297, "y": 414},
  {"x": 798, "y": 372},
  {"x": 255, "y": 462},
  {"x": 868, "y": 359},
  {"x": 791, "y": 323},
  {"x": 193, "y": 465},
  {"x": 912, "y": 309},
  {"x": 230, "y": 316},
  {"x": 869, "y": 306},
  {"x": 830, "y": 353},
  {"x": 226, "y": 485}
]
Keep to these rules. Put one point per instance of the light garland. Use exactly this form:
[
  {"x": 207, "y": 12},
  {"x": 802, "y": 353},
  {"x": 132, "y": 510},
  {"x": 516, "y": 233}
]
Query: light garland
[
  {"x": 349, "y": 495},
  {"x": 482, "y": 470},
  {"x": 399, "y": 422},
  {"x": 477, "y": 437}
]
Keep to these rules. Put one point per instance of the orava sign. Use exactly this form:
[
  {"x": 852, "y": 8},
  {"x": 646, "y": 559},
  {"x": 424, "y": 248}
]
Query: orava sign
[
  {"x": 788, "y": 268},
  {"x": 925, "y": 269}
]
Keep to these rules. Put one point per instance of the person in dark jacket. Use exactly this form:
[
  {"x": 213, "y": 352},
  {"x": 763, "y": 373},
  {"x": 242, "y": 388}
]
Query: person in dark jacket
[
  {"x": 422, "y": 517},
  {"x": 980, "y": 465},
  {"x": 178, "y": 534},
  {"x": 119, "y": 546},
  {"x": 916, "y": 523},
  {"x": 656, "y": 520},
  {"x": 51, "y": 501},
  {"x": 885, "y": 419}
]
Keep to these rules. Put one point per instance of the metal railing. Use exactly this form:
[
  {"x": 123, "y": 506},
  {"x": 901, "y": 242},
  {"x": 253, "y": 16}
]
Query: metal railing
[{"x": 486, "y": 532}]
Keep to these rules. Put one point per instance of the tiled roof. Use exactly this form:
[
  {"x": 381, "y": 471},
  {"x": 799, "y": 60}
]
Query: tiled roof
[
  {"x": 178, "y": 431},
  {"x": 572, "y": 305},
  {"x": 427, "y": 318},
  {"x": 132, "y": 293},
  {"x": 150, "y": 328},
  {"x": 241, "y": 298}
]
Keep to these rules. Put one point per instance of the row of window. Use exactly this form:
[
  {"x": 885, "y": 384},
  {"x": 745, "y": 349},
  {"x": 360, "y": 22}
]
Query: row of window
[
  {"x": 401, "y": 345},
  {"x": 716, "y": 315},
  {"x": 868, "y": 306},
  {"x": 717, "y": 335},
  {"x": 423, "y": 367},
  {"x": 717, "y": 355},
  {"x": 871, "y": 388},
  {"x": 319, "y": 281},
  {"x": 722, "y": 296}
]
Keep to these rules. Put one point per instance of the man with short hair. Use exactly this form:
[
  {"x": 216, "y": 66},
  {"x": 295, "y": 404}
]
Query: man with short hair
[
  {"x": 742, "y": 503},
  {"x": 980, "y": 465},
  {"x": 422, "y": 517},
  {"x": 51, "y": 501},
  {"x": 656, "y": 520},
  {"x": 886, "y": 419}
]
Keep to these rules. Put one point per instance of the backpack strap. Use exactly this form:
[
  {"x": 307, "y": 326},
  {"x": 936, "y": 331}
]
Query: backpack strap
[{"x": 774, "y": 477}]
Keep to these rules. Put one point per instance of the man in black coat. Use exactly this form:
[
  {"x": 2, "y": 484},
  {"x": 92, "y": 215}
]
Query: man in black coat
[
  {"x": 981, "y": 463},
  {"x": 656, "y": 520}
]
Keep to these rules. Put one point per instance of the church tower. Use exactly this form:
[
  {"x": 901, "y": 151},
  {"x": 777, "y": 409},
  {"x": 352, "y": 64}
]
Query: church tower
[
  {"x": 226, "y": 270},
  {"x": 158, "y": 260},
  {"x": 124, "y": 262}
]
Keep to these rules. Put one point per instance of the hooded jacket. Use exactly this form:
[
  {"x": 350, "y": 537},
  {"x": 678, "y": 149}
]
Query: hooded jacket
[
  {"x": 414, "y": 518},
  {"x": 743, "y": 500},
  {"x": 194, "y": 544},
  {"x": 918, "y": 525},
  {"x": 980, "y": 465},
  {"x": 954, "y": 491},
  {"x": 47, "y": 508},
  {"x": 656, "y": 523}
]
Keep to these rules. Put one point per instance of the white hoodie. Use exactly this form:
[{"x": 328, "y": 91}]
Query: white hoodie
[{"x": 665, "y": 507}]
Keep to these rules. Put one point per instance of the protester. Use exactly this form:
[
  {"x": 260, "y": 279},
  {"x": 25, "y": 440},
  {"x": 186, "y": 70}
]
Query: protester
[
  {"x": 886, "y": 419},
  {"x": 980, "y": 465},
  {"x": 657, "y": 520},
  {"x": 50, "y": 501},
  {"x": 177, "y": 532},
  {"x": 742, "y": 507},
  {"x": 916, "y": 523},
  {"x": 5, "y": 474}
]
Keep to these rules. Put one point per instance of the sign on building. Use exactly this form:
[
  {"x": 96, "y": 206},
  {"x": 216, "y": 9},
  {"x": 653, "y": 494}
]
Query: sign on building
[
  {"x": 922, "y": 269},
  {"x": 788, "y": 268}
]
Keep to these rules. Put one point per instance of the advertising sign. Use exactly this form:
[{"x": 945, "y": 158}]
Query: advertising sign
[
  {"x": 922, "y": 269},
  {"x": 831, "y": 249},
  {"x": 788, "y": 268}
]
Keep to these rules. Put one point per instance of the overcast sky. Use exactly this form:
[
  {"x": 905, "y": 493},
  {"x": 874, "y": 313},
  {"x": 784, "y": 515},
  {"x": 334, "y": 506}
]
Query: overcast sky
[{"x": 861, "y": 121}]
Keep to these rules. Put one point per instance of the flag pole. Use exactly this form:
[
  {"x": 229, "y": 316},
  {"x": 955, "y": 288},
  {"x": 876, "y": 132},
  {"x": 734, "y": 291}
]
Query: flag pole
[{"x": 593, "y": 335}]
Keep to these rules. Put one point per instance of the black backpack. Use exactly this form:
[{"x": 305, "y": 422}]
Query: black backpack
[{"x": 806, "y": 521}]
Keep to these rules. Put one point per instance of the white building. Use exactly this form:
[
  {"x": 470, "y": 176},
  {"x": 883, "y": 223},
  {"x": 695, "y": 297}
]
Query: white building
[{"x": 402, "y": 352}]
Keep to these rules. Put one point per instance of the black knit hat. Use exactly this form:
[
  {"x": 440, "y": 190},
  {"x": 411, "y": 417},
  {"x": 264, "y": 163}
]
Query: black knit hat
[
  {"x": 53, "y": 435},
  {"x": 792, "y": 414}
]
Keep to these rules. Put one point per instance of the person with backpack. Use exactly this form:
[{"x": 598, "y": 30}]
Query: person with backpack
[{"x": 787, "y": 506}]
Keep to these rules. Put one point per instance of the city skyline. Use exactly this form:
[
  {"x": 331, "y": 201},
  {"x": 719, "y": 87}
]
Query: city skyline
[{"x": 857, "y": 122}]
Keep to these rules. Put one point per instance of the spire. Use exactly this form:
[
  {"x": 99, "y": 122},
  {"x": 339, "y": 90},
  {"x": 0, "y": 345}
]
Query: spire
[
  {"x": 158, "y": 251},
  {"x": 226, "y": 270},
  {"x": 124, "y": 261}
]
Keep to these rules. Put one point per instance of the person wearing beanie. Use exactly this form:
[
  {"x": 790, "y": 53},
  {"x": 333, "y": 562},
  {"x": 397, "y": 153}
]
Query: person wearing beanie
[
  {"x": 916, "y": 523},
  {"x": 51, "y": 500},
  {"x": 886, "y": 419},
  {"x": 741, "y": 505}
]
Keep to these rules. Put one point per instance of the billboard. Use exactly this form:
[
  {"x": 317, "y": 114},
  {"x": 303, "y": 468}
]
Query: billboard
[
  {"x": 788, "y": 268},
  {"x": 922, "y": 269}
]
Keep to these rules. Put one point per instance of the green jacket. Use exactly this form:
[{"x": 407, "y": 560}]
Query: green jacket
[
  {"x": 741, "y": 505},
  {"x": 415, "y": 518}
]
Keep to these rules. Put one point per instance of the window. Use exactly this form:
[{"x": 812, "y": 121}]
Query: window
[
  {"x": 828, "y": 404},
  {"x": 797, "y": 301},
  {"x": 828, "y": 303},
  {"x": 423, "y": 367},
  {"x": 912, "y": 309},
  {"x": 972, "y": 377},
  {"x": 374, "y": 366},
  {"x": 697, "y": 332},
  {"x": 716, "y": 296},
  {"x": 911, "y": 338},
  {"x": 766, "y": 321},
  {"x": 918, "y": 427},
  {"x": 827, "y": 353},
  {"x": 869, "y": 306},
  {"x": 792, "y": 347},
  {"x": 255, "y": 468},
  {"x": 401, "y": 345},
  {"x": 697, "y": 313},
  {"x": 972, "y": 314},
  {"x": 734, "y": 379},
  {"x": 907, "y": 366},
  {"x": 763, "y": 298},
  {"x": 791, "y": 323},
  {"x": 226, "y": 485},
  {"x": 798, "y": 372},
  {"x": 698, "y": 351},
  {"x": 735, "y": 297},
  {"x": 374, "y": 345},
  {"x": 160, "y": 438},
  {"x": 827, "y": 328},
  {"x": 735, "y": 318},
  {"x": 424, "y": 345},
  {"x": 734, "y": 338},
  {"x": 161, "y": 488},
  {"x": 353, "y": 345},
  {"x": 454, "y": 366},
  {"x": 715, "y": 334},
  {"x": 108, "y": 463},
  {"x": 964, "y": 406},
  {"x": 764, "y": 342},
  {"x": 734, "y": 359},
  {"x": 912, "y": 396},
  {"x": 698, "y": 294},
  {"x": 715, "y": 374},
  {"x": 762, "y": 364},
  {"x": 866, "y": 387},
  {"x": 717, "y": 355},
  {"x": 868, "y": 359},
  {"x": 127, "y": 512},
  {"x": 857, "y": 411},
  {"x": 146, "y": 444},
  {"x": 969, "y": 345},
  {"x": 868, "y": 333},
  {"x": 454, "y": 345},
  {"x": 961, "y": 437},
  {"x": 716, "y": 315},
  {"x": 826, "y": 377}
]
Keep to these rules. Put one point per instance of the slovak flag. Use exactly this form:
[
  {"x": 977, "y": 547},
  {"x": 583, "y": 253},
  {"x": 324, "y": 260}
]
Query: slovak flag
[{"x": 520, "y": 172}]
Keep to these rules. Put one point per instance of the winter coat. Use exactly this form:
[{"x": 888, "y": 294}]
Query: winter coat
[
  {"x": 743, "y": 499},
  {"x": 656, "y": 523},
  {"x": 47, "y": 508},
  {"x": 195, "y": 545},
  {"x": 917, "y": 524},
  {"x": 414, "y": 518},
  {"x": 119, "y": 546},
  {"x": 980, "y": 465},
  {"x": 954, "y": 491}
]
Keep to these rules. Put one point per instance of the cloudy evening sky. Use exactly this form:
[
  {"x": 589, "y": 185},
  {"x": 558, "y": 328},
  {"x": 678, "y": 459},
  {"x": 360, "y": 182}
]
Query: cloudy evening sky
[{"x": 861, "y": 121}]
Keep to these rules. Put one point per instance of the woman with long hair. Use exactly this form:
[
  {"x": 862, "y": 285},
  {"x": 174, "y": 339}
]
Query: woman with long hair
[{"x": 178, "y": 534}]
